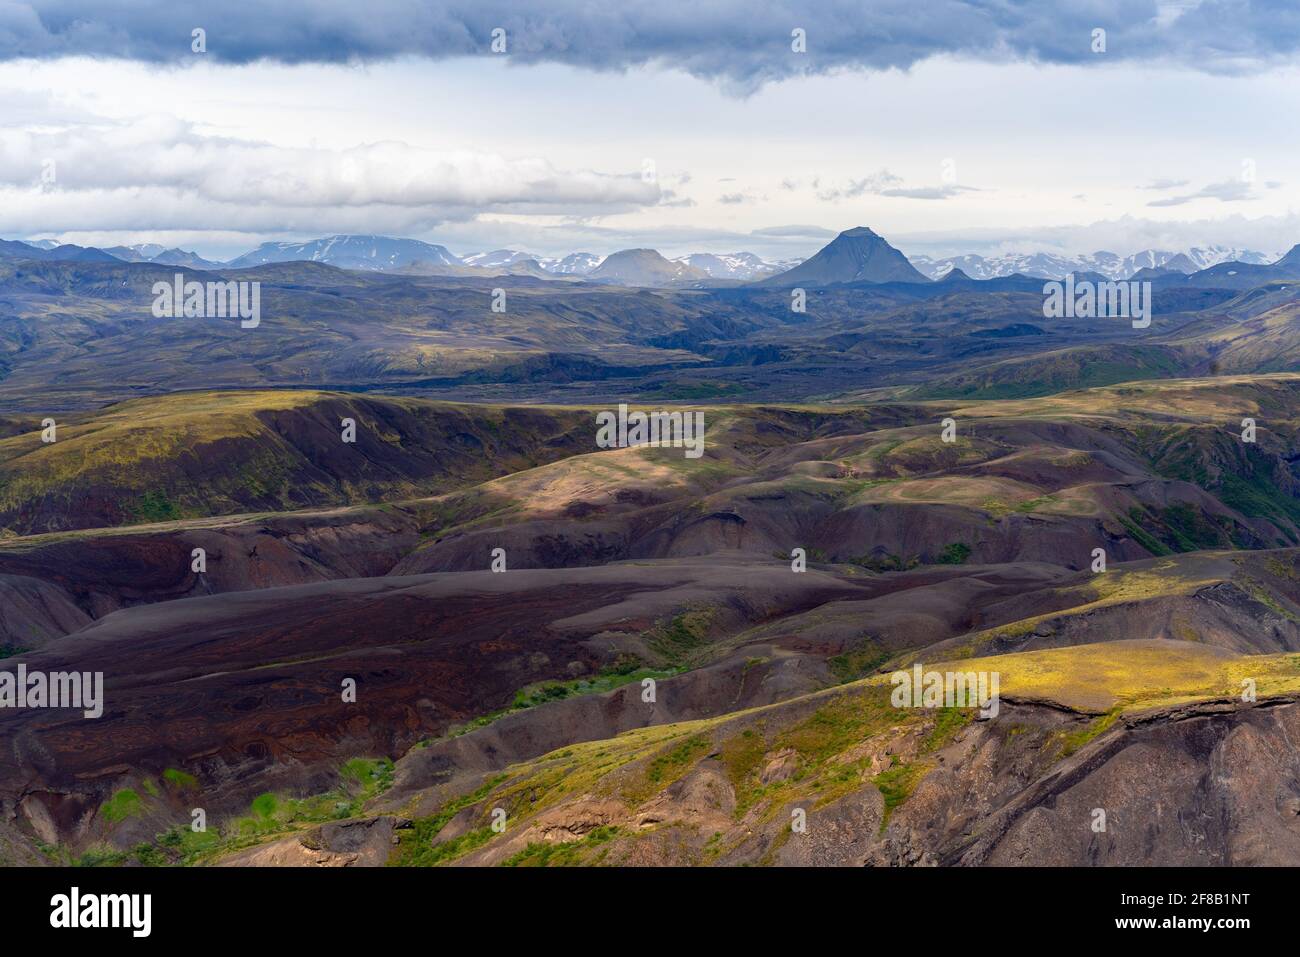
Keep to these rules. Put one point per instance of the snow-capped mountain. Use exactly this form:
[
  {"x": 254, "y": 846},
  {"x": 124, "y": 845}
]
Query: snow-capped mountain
[
  {"x": 574, "y": 264},
  {"x": 1206, "y": 256},
  {"x": 497, "y": 258},
  {"x": 644, "y": 267},
  {"x": 1111, "y": 265},
  {"x": 382, "y": 253},
  {"x": 385, "y": 253},
  {"x": 742, "y": 266},
  {"x": 351, "y": 252},
  {"x": 739, "y": 266}
]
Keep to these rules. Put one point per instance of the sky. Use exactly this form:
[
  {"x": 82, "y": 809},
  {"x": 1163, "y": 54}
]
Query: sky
[{"x": 948, "y": 127}]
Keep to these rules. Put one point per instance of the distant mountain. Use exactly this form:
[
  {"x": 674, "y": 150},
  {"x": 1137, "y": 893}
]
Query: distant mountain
[
  {"x": 154, "y": 253},
  {"x": 855, "y": 255},
  {"x": 644, "y": 267},
  {"x": 574, "y": 264},
  {"x": 372, "y": 253},
  {"x": 1180, "y": 262},
  {"x": 1151, "y": 273},
  {"x": 1292, "y": 258},
  {"x": 1245, "y": 275},
  {"x": 139, "y": 253},
  {"x": 1207, "y": 256},
  {"x": 181, "y": 257},
  {"x": 517, "y": 267},
  {"x": 742, "y": 266},
  {"x": 503, "y": 260},
  {"x": 785, "y": 265},
  {"x": 1108, "y": 264},
  {"x": 11, "y": 249},
  {"x": 527, "y": 267},
  {"x": 498, "y": 257}
]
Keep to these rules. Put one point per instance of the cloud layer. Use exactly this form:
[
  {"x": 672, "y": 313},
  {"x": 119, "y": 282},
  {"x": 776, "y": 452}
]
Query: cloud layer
[
  {"x": 742, "y": 43},
  {"x": 159, "y": 172}
]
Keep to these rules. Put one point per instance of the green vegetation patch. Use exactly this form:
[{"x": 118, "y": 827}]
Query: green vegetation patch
[
  {"x": 1262, "y": 595},
  {"x": 180, "y": 780},
  {"x": 1138, "y": 534},
  {"x": 886, "y": 563},
  {"x": 269, "y": 815},
  {"x": 669, "y": 766},
  {"x": 686, "y": 390},
  {"x": 1072, "y": 741},
  {"x": 567, "y": 854},
  {"x": 896, "y": 785},
  {"x": 860, "y": 660},
  {"x": 155, "y": 507},
  {"x": 947, "y": 722},
  {"x": 122, "y": 805},
  {"x": 742, "y": 754},
  {"x": 1255, "y": 496},
  {"x": 415, "y": 847},
  {"x": 954, "y": 554},
  {"x": 675, "y": 640},
  {"x": 626, "y": 670}
]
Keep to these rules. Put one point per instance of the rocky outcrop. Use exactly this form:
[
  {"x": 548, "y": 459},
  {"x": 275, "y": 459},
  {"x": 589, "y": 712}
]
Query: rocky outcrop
[{"x": 357, "y": 843}]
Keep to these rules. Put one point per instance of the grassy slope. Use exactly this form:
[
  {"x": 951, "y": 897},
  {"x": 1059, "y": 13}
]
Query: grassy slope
[
  {"x": 198, "y": 454},
  {"x": 1080, "y": 367},
  {"x": 827, "y": 732},
  {"x": 194, "y": 455},
  {"x": 1181, "y": 430}
]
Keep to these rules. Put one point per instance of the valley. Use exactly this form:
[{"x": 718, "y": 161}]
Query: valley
[{"x": 525, "y": 690}]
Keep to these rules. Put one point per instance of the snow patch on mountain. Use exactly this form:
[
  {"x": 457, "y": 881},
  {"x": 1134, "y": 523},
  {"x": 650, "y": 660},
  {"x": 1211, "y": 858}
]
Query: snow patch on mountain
[{"x": 1111, "y": 265}]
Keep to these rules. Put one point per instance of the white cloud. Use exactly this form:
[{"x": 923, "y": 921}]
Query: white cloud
[
  {"x": 1227, "y": 191},
  {"x": 161, "y": 171},
  {"x": 885, "y": 183}
]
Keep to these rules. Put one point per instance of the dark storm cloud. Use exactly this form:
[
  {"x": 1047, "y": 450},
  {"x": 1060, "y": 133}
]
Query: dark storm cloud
[{"x": 739, "y": 42}]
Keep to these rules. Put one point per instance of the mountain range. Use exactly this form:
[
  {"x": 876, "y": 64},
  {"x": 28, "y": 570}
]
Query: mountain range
[
  {"x": 857, "y": 255},
  {"x": 377, "y": 253},
  {"x": 155, "y": 253},
  {"x": 1111, "y": 265}
]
